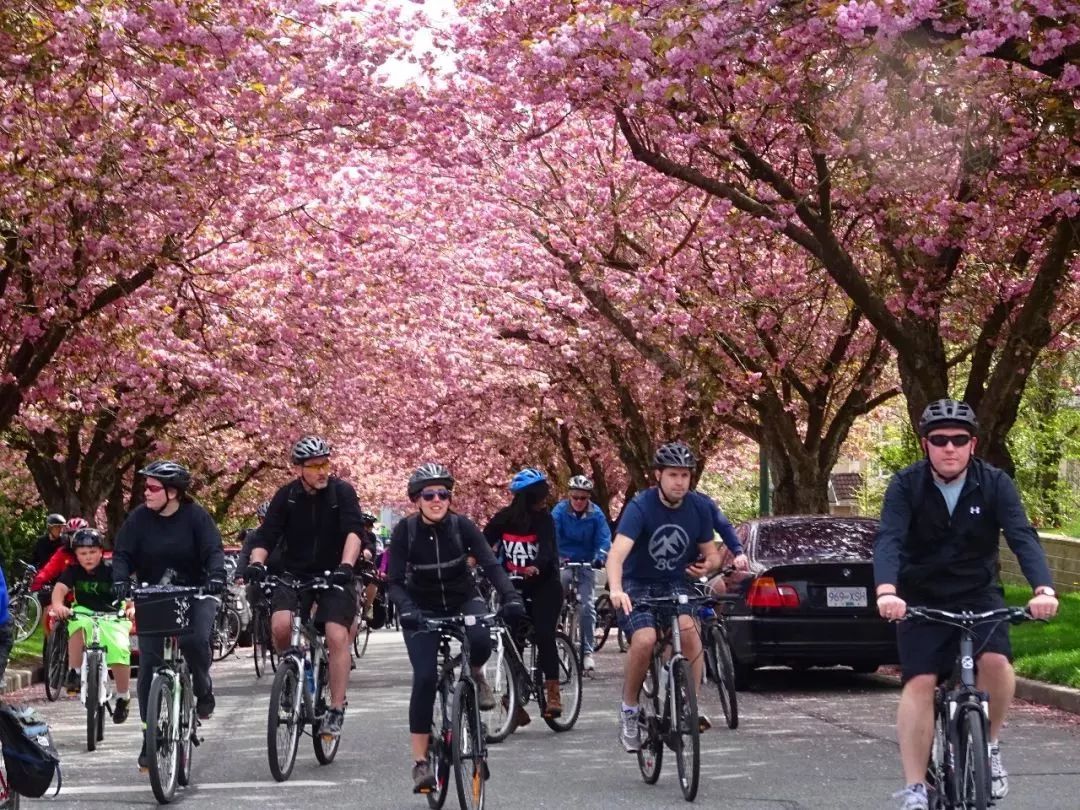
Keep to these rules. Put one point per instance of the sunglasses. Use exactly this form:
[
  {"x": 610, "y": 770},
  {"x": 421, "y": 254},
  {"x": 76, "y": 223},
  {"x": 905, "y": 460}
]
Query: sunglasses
[
  {"x": 320, "y": 467},
  {"x": 441, "y": 494},
  {"x": 579, "y": 497},
  {"x": 958, "y": 440},
  {"x": 153, "y": 487}
]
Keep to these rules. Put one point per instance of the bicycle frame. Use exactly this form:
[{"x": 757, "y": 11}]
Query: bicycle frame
[{"x": 93, "y": 644}]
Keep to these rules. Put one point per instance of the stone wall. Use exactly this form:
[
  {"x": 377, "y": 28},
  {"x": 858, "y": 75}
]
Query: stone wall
[{"x": 1063, "y": 554}]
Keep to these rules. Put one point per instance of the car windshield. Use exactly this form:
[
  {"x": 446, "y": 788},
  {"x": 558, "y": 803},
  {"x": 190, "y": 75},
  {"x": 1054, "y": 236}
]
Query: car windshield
[{"x": 815, "y": 540}]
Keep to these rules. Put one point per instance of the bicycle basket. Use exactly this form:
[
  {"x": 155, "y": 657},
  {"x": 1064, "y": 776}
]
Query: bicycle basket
[{"x": 164, "y": 610}]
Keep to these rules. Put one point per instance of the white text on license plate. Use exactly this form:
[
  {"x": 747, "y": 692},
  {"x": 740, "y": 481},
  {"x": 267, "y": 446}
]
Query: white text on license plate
[{"x": 845, "y": 597}]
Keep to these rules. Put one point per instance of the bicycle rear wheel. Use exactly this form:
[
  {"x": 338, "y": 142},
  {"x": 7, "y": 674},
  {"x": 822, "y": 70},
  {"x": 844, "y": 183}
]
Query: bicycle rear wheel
[
  {"x": 25, "y": 612},
  {"x": 650, "y": 756},
  {"x": 721, "y": 670},
  {"x": 470, "y": 758},
  {"x": 93, "y": 708},
  {"x": 684, "y": 725},
  {"x": 56, "y": 660},
  {"x": 361, "y": 641},
  {"x": 284, "y": 722},
  {"x": 974, "y": 772},
  {"x": 188, "y": 725},
  {"x": 440, "y": 753},
  {"x": 161, "y": 739},
  {"x": 605, "y": 620},
  {"x": 569, "y": 685},
  {"x": 258, "y": 650}
]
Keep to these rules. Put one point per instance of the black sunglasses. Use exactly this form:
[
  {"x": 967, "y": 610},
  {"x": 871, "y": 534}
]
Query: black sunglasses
[
  {"x": 441, "y": 494},
  {"x": 957, "y": 440}
]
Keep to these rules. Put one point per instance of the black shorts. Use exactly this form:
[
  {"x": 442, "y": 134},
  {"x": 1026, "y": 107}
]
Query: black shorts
[
  {"x": 334, "y": 605},
  {"x": 928, "y": 648}
]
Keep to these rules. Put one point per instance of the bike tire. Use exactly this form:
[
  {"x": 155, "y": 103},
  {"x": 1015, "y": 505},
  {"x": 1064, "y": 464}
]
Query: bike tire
[
  {"x": 361, "y": 641},
  {"x": 569, "y": 685},
  {"x": 684, "y": 723},
  {"x": 226, "y": 633},
  {"x": 723, "y": 666},
  {"x": 188, "y": 725},
  {"x": 25, "y": 612},
  {"x": 161, "y": 740},
  {"x": 281, "y": 745},
  {"x": 326, "y": 748},
  {"x": 937, "y": 778},
  {"x": 56, "y": 663},
  {"x": 440, "y": 752},
  {"x": 605, "y": 620},
  {"x": 258, "y": 650},
  {"x": 93, "y": 707},
  {"x": 469, "y": 757},
  {"x": 650, "y": 756},
  {"x": 974, "y": 758},
  {"x": 499, "y": 674}
]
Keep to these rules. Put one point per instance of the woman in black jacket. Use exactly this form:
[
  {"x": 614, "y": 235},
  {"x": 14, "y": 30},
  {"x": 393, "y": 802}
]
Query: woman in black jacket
[
  {"x": 429, "y": 575},
  {"x": 524, "y": 534}
]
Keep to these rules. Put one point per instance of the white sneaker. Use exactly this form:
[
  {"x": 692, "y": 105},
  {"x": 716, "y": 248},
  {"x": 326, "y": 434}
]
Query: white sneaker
[
  {"x": 629, "y": 730},
  {"x": 913, "y": 797},
  {"x": 588, "y": 662},
  {"x": 999, "y": 777}
]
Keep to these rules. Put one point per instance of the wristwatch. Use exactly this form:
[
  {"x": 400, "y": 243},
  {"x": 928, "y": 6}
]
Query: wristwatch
[{"x": 1045, "y": 590}]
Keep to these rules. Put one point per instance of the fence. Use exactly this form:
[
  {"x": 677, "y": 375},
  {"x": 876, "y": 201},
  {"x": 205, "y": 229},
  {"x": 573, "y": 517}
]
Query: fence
[{"x": 1063, "y": 554}]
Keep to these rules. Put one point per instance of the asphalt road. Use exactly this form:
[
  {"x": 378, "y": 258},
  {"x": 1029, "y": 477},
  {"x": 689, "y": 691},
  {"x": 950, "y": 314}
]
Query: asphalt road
[{"x": 821, "y": 739}]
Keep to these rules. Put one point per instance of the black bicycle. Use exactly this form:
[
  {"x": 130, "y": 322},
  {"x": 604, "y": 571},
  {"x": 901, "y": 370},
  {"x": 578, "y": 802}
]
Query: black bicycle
[
  {"x": 607, "y": 619},
  {"x": 55, "y": 659},
  {"x": 262, "y": 642},
  {"x": 716, "y": 644},
  {"x": 958, "y": 773}
]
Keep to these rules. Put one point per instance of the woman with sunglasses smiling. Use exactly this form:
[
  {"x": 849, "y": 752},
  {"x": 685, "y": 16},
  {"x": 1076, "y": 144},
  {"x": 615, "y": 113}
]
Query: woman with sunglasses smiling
[{"x": 429, "y": 574}]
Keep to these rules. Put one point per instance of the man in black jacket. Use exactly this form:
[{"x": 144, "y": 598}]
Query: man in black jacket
[
  {"x": 49, "y": 541},
  {"x": 315, "y": 522},
  {"x": 937, "y": 546}
]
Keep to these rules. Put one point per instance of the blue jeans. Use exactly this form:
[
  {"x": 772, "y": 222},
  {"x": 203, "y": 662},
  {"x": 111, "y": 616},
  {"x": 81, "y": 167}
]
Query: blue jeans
[{"x": 586, "y": 583}]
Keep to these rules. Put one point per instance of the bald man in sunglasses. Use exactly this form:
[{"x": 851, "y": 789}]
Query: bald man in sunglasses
[{"x": 937, "y": 546}]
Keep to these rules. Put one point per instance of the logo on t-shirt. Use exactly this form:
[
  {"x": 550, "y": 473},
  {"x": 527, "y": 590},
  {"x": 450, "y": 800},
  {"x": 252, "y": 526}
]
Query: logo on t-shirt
[
  {"x": 667, "y": 547},
  {"x": 521, "y": 550}
]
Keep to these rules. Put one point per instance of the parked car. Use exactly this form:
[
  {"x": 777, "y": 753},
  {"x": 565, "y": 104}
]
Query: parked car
[{"x": 809, "y": 597}]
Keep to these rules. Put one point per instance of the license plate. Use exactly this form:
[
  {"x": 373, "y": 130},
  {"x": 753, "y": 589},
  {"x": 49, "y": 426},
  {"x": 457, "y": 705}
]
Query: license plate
[{"x": 845, "y": 597}]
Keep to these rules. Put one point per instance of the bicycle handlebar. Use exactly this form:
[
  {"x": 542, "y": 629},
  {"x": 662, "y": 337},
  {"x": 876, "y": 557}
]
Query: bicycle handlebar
[
  {"x": 968, "y": 618},
  {"x": 314, "y": 583},
  {"x": 455, "y": 622},
  {"x": 673, "y": 600}
]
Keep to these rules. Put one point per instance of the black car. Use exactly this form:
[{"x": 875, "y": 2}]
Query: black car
[{"x": 809, "y": 598}]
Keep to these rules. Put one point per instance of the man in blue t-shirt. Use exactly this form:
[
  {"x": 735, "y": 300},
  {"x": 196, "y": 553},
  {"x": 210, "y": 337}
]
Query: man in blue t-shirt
[{"x": 661, "y": 534}]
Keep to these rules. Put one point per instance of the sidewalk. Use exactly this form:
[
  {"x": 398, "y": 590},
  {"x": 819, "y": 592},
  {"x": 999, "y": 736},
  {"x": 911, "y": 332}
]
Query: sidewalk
[{"x": 1047, "y": 694}]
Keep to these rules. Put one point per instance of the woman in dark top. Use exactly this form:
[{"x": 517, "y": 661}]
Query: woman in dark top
[
  {"x": 524, "y": 533},
  {"x": 428, "y": 575}
]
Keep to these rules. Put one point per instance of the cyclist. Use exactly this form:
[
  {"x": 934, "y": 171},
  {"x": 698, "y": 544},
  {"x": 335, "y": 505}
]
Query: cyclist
[
  {"x": 369, "y": 544},
  {"x": 61, "y": 558},
  {"x": 428, "y": 572},
  {"x": 937, "y": 546},
  {"x": 169, "y": 532},
  {"x": 523, "y": 535},
  {"x": 583, "y": 536},
  {"x": 90, "y": 579},
  {"x": 49, "y": 540},
  {"x": 243, "y": 559},
  {"x": 316, "y": 520},
  {"x": 662, "y": 530},
  {"x": 733, "y": 551}
]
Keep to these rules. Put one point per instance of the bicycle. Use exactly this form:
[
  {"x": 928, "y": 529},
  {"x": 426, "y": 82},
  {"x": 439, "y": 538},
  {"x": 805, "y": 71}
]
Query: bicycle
[
  {"x": 958, "y": 772},
  {"x": 24, "y": 607},
  {"x": 226, "y": 630},
  {"x": 570, "y": 616},
  {"x": 96, "y": 692},
  {"x": 300, "y": 695},
  {"x": 55, "y": 660},
  {"x": 606, "y": 620},
  {"x": 367, "y": 575},
  {"x": 716, "y": 644},
  {"x": 262, "y": 643},
  {"x": 458, "y": 736},
  {"x": 171, "y": 724},
  {"x": 668, "y": 715}
]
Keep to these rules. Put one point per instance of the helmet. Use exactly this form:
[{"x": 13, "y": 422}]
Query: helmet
[
  {"x": 87, "y": 538},
  {"x": 308, "y": 448},
  {"x": 55, "y": 519},
  {"x": 367, "y": 517},
  {"x": 260, "y": 510},
  {"x": 168, "y": 473},
  {"x": 75, "y": 524},
  {"x": 427, "y": 474},
  {"x": 582, "y": 482},
  {"x": 674, "y": 454},
  {"x": 947, "y": 413},
  {"x": 526, "y": 478}
]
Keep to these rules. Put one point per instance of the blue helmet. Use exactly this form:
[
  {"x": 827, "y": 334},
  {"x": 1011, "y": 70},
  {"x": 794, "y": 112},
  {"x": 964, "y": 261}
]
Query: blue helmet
[{"x": 526, "y": 478}]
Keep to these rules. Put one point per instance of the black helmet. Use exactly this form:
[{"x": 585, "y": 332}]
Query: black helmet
[
  {"x": 428, "y": 474},
  {"x": 55, "y": 519},
  {"x": 308, "y": 448},
  {"x": 168, "y": 473},
  {"x": 260, "y": 510},
  {"x": 948, "y": 413},
  {"x": 582, "y": 482},
  {"x": 87, "y": 538},
  {"x": 674, "y": 454},
  {"x": 367, "y": 517}
]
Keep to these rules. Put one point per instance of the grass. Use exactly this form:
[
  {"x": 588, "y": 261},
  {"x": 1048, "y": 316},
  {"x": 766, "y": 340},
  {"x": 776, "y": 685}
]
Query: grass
[
  {"x": 29, "y": 651},
  {"x": 1048, "y": 652}
]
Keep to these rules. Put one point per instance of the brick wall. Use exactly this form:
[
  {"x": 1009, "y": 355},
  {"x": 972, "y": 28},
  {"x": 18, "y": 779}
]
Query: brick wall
[{"x": 1063, "y": 554}]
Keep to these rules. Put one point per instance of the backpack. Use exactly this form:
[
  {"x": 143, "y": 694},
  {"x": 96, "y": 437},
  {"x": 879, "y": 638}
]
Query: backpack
[{"x": 30, "y": 757}]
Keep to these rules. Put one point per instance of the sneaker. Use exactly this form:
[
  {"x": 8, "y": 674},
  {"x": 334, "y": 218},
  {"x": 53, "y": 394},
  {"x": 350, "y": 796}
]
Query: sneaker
[
  {"x": 120, "y": 710},
  {"x": 999, "y": 777},
  {"x": 485, "y": 696},
  {"x": 629, "y": 730},
  {"x": 204, "y": 706},
  {"x": 423, "y": 780},
  {"x": 913, "y": 797},
  {"x": 144, "y": 760},
  {"x": 330, "y": 727},
  {"x": 588, "y": 662},
  {"x": 73, "y": 684}
]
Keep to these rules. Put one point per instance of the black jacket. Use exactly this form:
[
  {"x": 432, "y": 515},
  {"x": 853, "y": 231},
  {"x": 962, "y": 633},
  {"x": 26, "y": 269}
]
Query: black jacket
[
  {"x": 44, "y": 549},
  {"x": 187, "y": 542},
  {"x": 310, "y": 527},
  {"x": 940, "y": 560}
]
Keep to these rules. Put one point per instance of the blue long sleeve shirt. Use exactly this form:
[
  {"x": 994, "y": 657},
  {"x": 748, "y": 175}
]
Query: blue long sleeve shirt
[{"x": 581, "y": 538}]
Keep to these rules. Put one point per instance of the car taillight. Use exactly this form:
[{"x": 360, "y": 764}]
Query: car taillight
[{"x": 765, "y": 593}]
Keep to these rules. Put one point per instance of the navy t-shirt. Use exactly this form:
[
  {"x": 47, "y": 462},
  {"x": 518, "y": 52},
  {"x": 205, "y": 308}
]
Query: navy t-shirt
[{"x": 665, "y": 540}]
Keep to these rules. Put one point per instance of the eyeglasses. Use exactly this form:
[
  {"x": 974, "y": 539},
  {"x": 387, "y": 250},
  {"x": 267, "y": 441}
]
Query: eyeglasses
[
  {"x": 322, "y": 466},
  {"x": 152, "y": 487},
  {"x": 432, "y": 494},
  {"x": 957, "y": 440}
]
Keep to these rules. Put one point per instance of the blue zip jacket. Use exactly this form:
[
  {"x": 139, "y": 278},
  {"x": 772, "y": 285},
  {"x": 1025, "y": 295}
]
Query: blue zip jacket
[{"x": 581, "y": 539}]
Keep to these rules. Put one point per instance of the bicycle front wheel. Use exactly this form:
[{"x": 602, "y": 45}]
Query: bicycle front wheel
[
  {"x": 56, "y": 660},
  {"x": 25, "y": 612},
  {"x": 226, "y": 632},
  {"x": 974, "y": 774},
  {"x": 440, "y": 755},
  {"x": 605, "y": 620},
  {"x": 722, "y": 671},
  {"x": 500, "y": 720},
  {"x": 161, "y": 737},
  {"x": 684, "y": 724},
  {"x": 361, "y": 641},
  {"x": 188, "y": 726},
  {"x": 258, "y": 648},
  {"x": 569, "y": 685},
  {"x": 326, "y": 747},
  {"x": 470, "y": 758},
  {"x": 284, "y": 722},
  {"x": 93, "y": 707}
]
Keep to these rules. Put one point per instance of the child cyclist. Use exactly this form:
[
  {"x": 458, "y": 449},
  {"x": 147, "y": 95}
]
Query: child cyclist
[{"x": 90, "y": 578}]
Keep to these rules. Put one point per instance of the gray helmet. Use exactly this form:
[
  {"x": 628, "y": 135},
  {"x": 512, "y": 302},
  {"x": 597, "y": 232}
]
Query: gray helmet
[
  {"x": 168, "y": 473},
  {"x": 582, "y": 482},
  {"x": 427, "y": 474},
  {"x": 87, "y": 538},
  {"x": 674, "y": 454},
  {"x": 260, "y": 510},
  {"x": 367, "y": 517},
  {"x": 947, "y": 413},
  {"x": 308, "y": 448},
  {"x": 55, "y": 519}
]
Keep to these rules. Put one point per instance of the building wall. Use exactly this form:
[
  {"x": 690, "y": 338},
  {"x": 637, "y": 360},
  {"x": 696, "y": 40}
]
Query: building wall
[{"x": 1063, "y": 554}]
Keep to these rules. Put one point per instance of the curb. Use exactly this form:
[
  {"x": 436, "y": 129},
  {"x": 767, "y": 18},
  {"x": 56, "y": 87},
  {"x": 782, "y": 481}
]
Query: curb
[
  {"x": 1059, "y": 697},
  {"x": 16, "y": 679}
]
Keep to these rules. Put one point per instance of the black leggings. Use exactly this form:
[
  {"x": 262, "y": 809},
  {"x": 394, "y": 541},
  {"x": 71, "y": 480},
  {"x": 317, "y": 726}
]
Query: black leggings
[
  {"x": 544, "y": 598},
  {"x": 423, "y": 647},
  {"x": 196, "y": 649}
]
